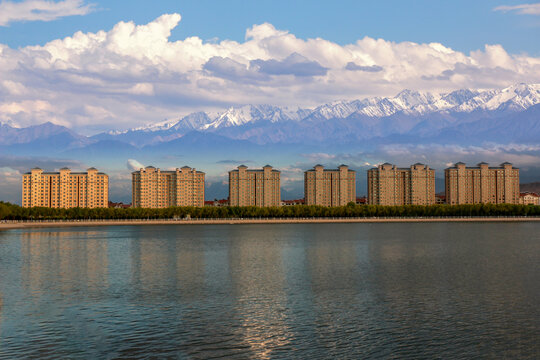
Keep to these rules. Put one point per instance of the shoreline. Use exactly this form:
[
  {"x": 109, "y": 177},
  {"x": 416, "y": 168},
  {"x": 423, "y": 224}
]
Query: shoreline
[{"x": 75, "y": 223}]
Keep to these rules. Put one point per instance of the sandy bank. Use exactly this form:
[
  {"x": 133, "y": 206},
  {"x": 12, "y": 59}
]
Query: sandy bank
[{"x": 38, "y": 224}]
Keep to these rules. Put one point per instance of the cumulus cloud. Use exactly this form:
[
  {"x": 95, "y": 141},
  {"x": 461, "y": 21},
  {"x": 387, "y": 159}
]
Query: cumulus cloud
[
  {"x": 134, "y": 165},
  {"x": 521, "y": 9},
  {"x": 229, "y": 69},
  {"x": 41, "y": 10},
  {"x": 354, "y": 67},
  {"x": 294, "y": 64},
  {"x": 133, "y": 75}
]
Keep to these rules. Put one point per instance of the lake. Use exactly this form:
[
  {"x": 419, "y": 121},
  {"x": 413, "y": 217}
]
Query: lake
[{"x": 305, "y": 291}]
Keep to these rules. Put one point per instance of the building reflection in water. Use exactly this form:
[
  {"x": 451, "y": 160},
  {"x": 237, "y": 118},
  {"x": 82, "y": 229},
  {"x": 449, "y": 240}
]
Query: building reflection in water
[
  {"x": 167, "y": 268},
  {"x": 338, "y": 269},
  {"x": 258, "y": 282},
  {"x": 75, "y": 265},
  {"x": 1, "y": 311}
]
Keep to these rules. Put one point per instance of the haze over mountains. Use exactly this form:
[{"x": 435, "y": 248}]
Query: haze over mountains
[
  {"x": 414, "y": 114},
  {"x": 460, "y": 117},
  {"x": 464, "y": 125}
]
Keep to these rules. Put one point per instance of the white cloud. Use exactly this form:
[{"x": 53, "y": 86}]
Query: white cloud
[
  {"x": 134, "y": 165},
  {"x": 135, "y": 75},
  {"x": 522, "y": 9},
  {"x": 41, "y": 10}
]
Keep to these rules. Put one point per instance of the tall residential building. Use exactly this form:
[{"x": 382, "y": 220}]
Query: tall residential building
[
  {"x": 329, "y": 187},
  {"x": 390, "y": 185},
  {"x": 153, "y": 188},
  {"x": 482, "y": 184},
  {"x": 65, "y": 189},
  {"x": 259, "y": 187}
]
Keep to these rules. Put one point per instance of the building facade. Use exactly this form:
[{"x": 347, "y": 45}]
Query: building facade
[
  {"x": 329, "y": 187},
  {"x": 529, "y": 198},
  {"x": 482, "y": 184},
  {"x": 390, "y": 185},
  {"x": 65, "y": 189},
  {"x": 260, "y": 187},
  {"x": 153, "y": 188}
]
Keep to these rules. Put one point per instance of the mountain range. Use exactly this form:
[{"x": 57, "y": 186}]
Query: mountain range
[{"x": 473, "y": 117}]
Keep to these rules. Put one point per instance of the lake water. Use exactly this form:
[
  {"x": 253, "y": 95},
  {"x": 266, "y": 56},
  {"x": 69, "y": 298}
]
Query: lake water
[{"x": 414, "y": 290}]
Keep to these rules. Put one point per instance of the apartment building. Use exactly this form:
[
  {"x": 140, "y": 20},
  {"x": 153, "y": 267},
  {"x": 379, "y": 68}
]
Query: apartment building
[
  {"x": 329, "y": 187},
  {"x": 154, "y": 188},
  {"x": 482, "y": 184},
  {"x": 256, "y": 187},
  {"x": 390, "y": 185},
  {"x": 529, "y": 198},
  {"x": 65, "y": 189}
]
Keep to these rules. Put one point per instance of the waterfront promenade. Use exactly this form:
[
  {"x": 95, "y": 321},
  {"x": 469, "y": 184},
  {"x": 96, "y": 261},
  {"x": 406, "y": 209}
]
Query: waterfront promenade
[{"x": 7, "y": 224}]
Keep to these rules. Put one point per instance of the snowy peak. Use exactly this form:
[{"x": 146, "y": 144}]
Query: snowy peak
[
  {"x": 408, "y": 99},
  {"x": 252, "y": 114},
  {"x": 513, "y": 98},
  {"x": 458, "y": 97},
  {"x": 338, "y": 109},
  {"x": 193, "y": 121},
  {"x": 516, "y": 97}
]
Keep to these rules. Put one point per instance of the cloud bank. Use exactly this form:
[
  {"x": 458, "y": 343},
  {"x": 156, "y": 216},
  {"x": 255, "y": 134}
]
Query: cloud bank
[
  {"x": 522, "y": 9},
  {"x": 41, "y": 10},
  {"x": 133, "y": 74}
]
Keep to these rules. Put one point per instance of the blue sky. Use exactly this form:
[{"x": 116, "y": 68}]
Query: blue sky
[{"x": 461, "y": 25}]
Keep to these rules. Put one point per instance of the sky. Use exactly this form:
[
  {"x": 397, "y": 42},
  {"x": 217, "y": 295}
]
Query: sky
[{"x": 100, "y": 65}]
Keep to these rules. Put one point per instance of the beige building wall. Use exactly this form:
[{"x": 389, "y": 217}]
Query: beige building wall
[
  {"x": 529, "y": 199},
  {"x": 153, "y": 188},
  {"x": 390, "y": 185},
  {"x": 329, "y": 187},
  {"x": 482, "y": 184},
  {"x": 65, "y": 189},
  {"x": 254, "y": 187}
]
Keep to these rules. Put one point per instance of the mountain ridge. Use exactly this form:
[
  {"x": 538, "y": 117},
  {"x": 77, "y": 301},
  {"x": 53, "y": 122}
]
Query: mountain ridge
[{"x": 461, "y": 116}]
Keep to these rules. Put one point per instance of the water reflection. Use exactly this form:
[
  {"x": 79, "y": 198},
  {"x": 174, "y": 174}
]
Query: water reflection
[
  {"x": 272, "y": 291},
  {"x": 165, "y": 269},
  {"x": 257, "y": 282},
  {"x": 64, "y": 263}
]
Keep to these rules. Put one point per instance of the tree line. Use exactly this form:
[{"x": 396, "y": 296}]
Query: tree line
[{"x": 15, "y": 212}]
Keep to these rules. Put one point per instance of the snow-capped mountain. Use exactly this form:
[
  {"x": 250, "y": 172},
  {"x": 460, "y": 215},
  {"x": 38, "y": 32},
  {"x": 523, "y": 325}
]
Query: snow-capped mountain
[
  {"x": 252, "y": 114},
  {"x": 517, "y": 97},
  {"x": 410, "y": 103},
  {"x": 463, "y": 115},
  {"x": 193, "y": 121}
]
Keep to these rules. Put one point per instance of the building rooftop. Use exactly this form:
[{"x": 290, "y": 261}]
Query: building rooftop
[
  {"x": 58, "y": 173},
  {"x": 311, "y": 170},
  {"x": 479, "y": 165}
]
